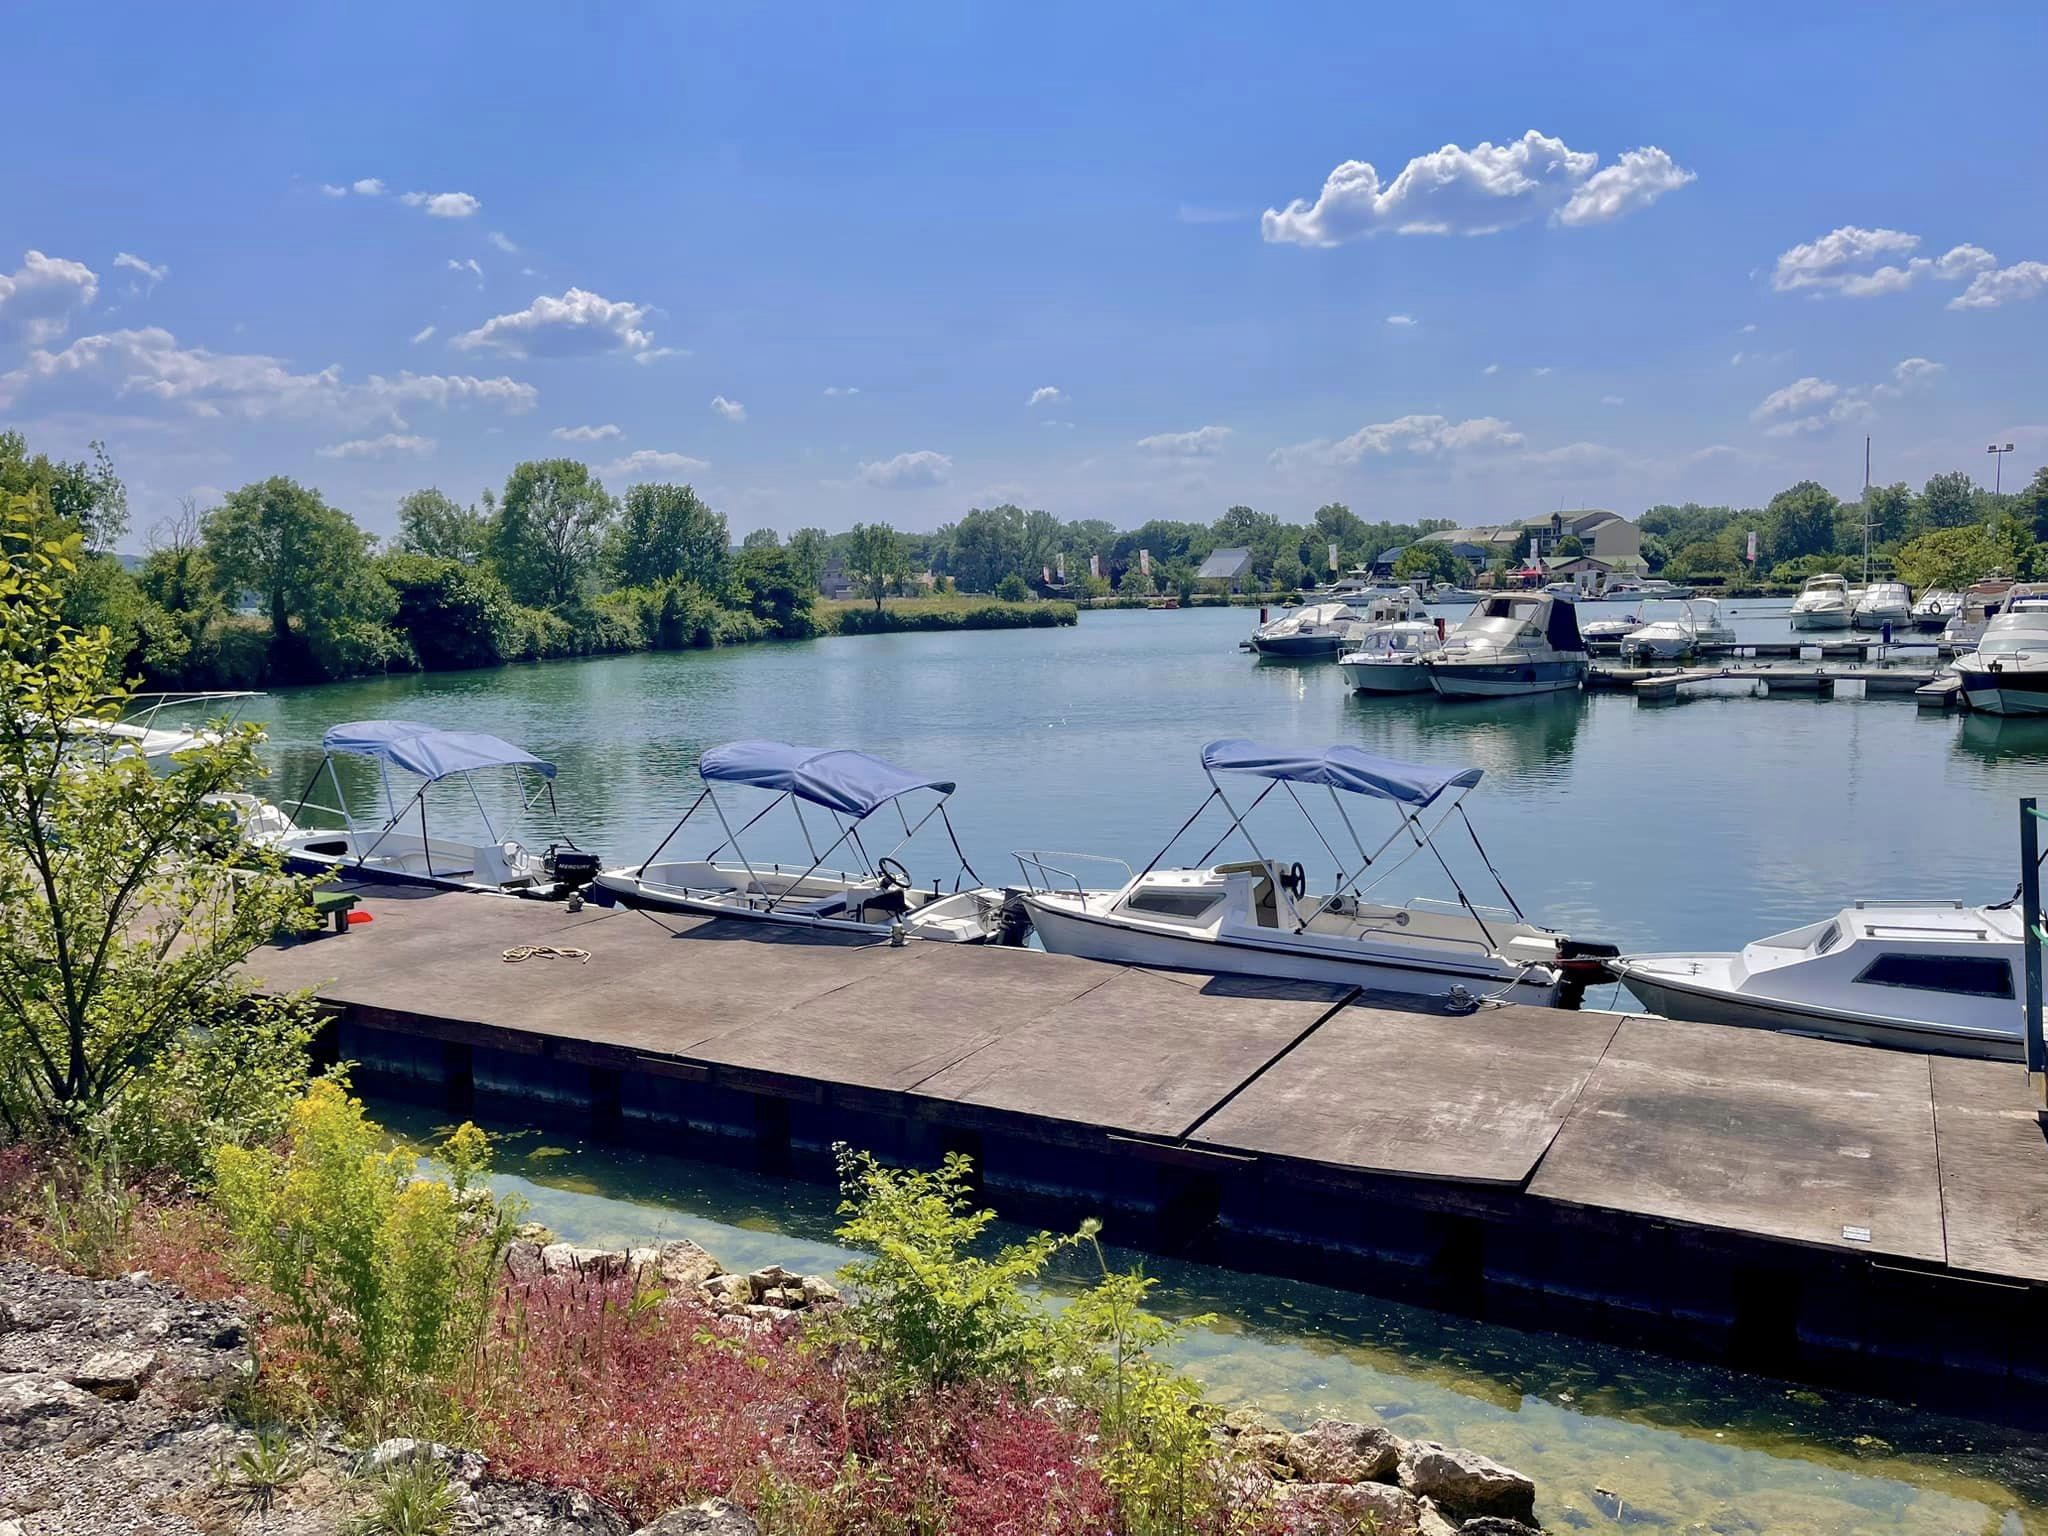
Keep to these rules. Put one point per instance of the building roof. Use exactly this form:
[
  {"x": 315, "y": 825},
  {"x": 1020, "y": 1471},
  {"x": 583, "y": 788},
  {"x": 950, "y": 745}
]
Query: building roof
[
  {"x": 1389, "y": 556},
  {"x": 1225, "y": 565}
]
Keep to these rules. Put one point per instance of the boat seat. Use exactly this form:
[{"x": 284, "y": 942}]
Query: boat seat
[
  {"x": 1265, "y": 904},
  {"x": 499, "y": 863}
]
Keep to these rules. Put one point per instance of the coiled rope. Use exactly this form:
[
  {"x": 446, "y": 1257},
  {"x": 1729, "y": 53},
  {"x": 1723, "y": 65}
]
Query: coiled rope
[{"x": 547, "y": 952}]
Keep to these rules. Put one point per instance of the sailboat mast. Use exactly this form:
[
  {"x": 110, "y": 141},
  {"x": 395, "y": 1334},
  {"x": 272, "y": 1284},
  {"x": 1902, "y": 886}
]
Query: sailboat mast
[{"x": 1866, "y": 511}]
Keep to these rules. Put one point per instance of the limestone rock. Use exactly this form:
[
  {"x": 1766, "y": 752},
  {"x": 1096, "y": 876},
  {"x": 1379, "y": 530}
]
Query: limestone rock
[
  {"x": 819, "y": 1292},
  {"x": 569, "y": 1259},
  {"x": 1338, "y": 1451},
  {"x": 679, "y": 1264},
  {"x": 1496, "y": 1525},
  {"x": 115, "y": 1374},
  {"x": 712, "y": 1517},
  {"x": 1342, "y": 1509},
  {"x": 514, "y": 1508},
  {"x": 36, "y": 1409},
  {"x": 1465, "y": 1483}
]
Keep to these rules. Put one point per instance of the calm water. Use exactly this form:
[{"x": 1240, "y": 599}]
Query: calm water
[{"x": 1698, "y": 824}]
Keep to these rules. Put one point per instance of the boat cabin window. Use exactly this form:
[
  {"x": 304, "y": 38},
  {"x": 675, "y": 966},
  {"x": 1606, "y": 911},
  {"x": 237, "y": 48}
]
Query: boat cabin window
[
  {"x": 1498, "y": 608},
  {"x": 1829, "y": 938},
  {"x": 1941, "y": 973},
  {"x": 1169, "y": 901}
]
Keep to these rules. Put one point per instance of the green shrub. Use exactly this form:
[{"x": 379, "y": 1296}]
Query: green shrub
[
  {"x": 1011, "y": 589},
  {"x": 454, "y": 615}
]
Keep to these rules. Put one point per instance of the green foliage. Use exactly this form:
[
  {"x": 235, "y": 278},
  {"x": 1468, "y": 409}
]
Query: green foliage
[
  {"x": 761, "y": 538},
  {"x": 1801, "y": 521},
  {"x": 1950, "y": 501},
  {"x": 434, "y": 524},
  {"x": 548, "y": 530},
  {"x": 89, "y": 1213},
  {"x": 385, "y": 1278},
  {"x": 876, "y": 560},
  {"x": 810, "y": 548},
  {"x": 451, "y": 613},
  {"x": 1955, "y": 557},
  {"x": 1011, "y": 589},
  {"x": 260, "y": 1472},
  {"x": 1137, "y": 583},
  {"x": 767, "y": 584},
  {"x": 933, "y": 1311},
  {"x": 86, "y": 497},
  {"x": 927, "y": 614},
  {"x": 413, "y": 1498},
  {"x": 666, "y": 534},
  {"x": 1792, "y": 572},
  {"x": 1430, "y": 561},
  {"x": 125, "y": 898}
]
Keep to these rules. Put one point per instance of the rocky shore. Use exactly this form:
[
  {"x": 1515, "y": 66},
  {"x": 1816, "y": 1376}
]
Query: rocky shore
[{"x": 117, "y": 1418}]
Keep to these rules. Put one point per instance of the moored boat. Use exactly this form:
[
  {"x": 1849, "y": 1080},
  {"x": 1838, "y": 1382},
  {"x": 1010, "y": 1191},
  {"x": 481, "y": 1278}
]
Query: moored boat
[
  {"x": 1696, "y": 628},
  {"x": 2007, "y": 674},
  {"x": 1511, "y": 644},
  {"x": 1881, "y": 603},
  {"x": 1389, "y": 658},
  {"x": 1935, "y": 607},
  {"x": 1822, "y": 603}
]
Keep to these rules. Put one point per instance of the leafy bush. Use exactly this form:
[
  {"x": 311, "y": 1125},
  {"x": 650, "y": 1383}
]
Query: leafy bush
[
  {"x": 1011, "y": 589},
  {"x": 386, "y": 1281},
  {"x": 454, "y": 615},
  {"x": 925, "y": 614}
]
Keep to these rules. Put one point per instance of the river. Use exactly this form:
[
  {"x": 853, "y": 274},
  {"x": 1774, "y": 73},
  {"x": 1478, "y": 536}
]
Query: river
[{"x": 1698, "y": 824}]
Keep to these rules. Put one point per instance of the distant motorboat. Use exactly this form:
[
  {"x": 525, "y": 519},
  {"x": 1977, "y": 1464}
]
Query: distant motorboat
[
  {"x": 1327, "y": 630},
  {"x": 1510, "y": 644},
  {"x": 1603, "y": 637},
  {"x": 1881, "y": 603},
  {"x": 1697, "y": 627},
  {"x": 1981, "y": 602},
  {"x": 1822, "y": 603},
  {"x": 1928, "y": 976},
  {"x": 1389, "y": 658},
  {"x": 1655, "y": 589},
  {"x": 2007, "y": 674},
  {"x": 1935, "y": 608},
  {"x": 1444, "y": 595}
]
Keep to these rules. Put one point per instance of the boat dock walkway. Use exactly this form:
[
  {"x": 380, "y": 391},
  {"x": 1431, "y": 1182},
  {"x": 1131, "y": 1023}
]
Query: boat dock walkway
[
  {"x": 1820, "y": 1209},
  {"x": 1656, "y": 683}
]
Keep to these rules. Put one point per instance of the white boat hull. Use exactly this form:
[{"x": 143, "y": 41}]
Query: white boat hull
[
  {"x": 1820, "y": 618},
  {"x": 1505, "y": 680},
  {"x": 2007, "y": 692},
  {"x": 956, "y": 919},
  {"x": 1385, "y": 676},
  {"x": 1063, "y": 931}
]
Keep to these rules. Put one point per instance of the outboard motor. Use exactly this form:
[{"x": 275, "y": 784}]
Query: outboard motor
[
  {"x": 570, "y": 868},
  {"x": 1011, "y": 922}
]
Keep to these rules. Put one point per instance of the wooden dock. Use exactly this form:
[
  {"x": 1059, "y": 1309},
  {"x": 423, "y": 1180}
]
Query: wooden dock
[
  {"x": 1659, "y": 683},
  {"x": 1833, "y": 1211}
]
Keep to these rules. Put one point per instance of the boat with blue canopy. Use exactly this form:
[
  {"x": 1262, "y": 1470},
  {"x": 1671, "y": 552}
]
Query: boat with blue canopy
[
  {"x": 863, "y": 814},
  {"x": 409, "y": 758},
  {"x": 1257, "y": 917}
]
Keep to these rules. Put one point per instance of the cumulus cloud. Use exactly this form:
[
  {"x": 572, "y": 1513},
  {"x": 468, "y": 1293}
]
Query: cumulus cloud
[
  {"x": 586, "y": 434},
  {"x": 1403, "y": 320},
  {"x": 923, "y": 467},
  {"x": 424, "y": 333},
  {"x": 367, "y": 186},
  {"x": 579, "y": 323},
  {"x": 1047, "y": 394},
  {"x": 331, "y": 190},
  {"x": 149, "y": 272},
  {"x": 1908, "y": 373},
  {"x": 390, "y": 445},
  {"x": 1421, "y": 434},
  {"x": 1840, "y": 263},
  {"x": 840, "y": 391},
  {"x": 39, "y": 299},
  {"x": 1202, "y": 443},
  {"x": 149, "y": 365},
  {"x": 731, "y": 410},
  {"x": 443, "y": 205},
  {"x": 503, "y": 242},
  {"x": 1808, "y": 405},
  {"x": 1476, "y": 191},
  {"x": 2003, "y": 285},
  {"x": 650, "y": 461},
  {"x": 1490, "y": 369}
]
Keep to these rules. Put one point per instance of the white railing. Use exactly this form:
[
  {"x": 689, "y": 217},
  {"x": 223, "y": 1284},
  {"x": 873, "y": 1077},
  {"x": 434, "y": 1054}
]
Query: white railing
[{"x": 1039, "y": 876}]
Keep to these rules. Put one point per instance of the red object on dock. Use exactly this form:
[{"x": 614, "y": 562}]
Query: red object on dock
[{"x": 359, "y": 917}]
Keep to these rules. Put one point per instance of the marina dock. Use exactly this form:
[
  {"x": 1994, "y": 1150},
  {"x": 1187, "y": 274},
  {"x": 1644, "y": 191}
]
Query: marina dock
[
  {"x": 1836, "y": 1212},
  {"x": 1657, "y": 683}
]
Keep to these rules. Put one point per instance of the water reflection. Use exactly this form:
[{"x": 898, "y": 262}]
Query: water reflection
[
  {"x": 2005, "y": 744},
  {"x": 1679, "y": 1447}
]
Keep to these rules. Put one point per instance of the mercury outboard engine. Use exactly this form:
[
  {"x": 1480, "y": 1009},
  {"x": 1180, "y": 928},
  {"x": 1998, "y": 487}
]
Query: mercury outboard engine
[
  {"x": 1011, "y": 928},
  {"x": 570, "y": 868}
]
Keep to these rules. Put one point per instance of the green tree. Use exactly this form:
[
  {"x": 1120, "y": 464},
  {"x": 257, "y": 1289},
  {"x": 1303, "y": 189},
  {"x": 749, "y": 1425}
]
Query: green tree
[
  {"x": 1950, "y": 501},
  {"x": 810, "y": 548},
  {"x": 432, "y": 523},
  {"x": 1429, "y": 562},
  {"x": 1241, "y": 526},
  {"x": 1801, "y": 520},
  {"x": 1955, "y": 557},
  {"x": 2031, "y": 502},
  {"x": 769, "y": 585},
  {"x": 86, "y": 497},
  {"x": 126, "y": 901},
  {"x": 548, "y": 530},
  {"x": 987, "y": 545},
  {"x": 304, "y": 562},
  {"x": 666, "y": 533},
  {"x": 1338, "y": 524},
  {"x": 1571, "y": 546},
  {"x": 875, "y": 560},
  {"x": 1137, "y": 583},
  {"x": 454, "y": 615},
  {"x": 761, "y": 538},
  {"x": 1011, "y": 589}
]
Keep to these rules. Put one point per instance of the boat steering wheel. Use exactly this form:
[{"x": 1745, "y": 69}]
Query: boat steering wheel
[
  {"x": 1295, "y": 882},
  {"x": 893, "y": 874}
]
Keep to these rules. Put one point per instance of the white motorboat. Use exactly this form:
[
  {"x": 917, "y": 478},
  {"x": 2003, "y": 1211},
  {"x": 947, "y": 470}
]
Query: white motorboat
[
  {"x": 1822, "y": 603},
  {"x": 1511, "y": 644},
  {"x": 1881, "y": 603},
  {"x": 1603, "y": 637},
  {"x": 389, "y": 850},
  {"x": 1696, "y": 628},
  {"x": 1981, "y": 602},
  {"x": 1935, "y": 608},
  {"x": 1389, "y": 658},
  {"x": 880, "y": 897},
  {"x": 1622, "y": 589},
  {"x": 1657, "y": 590},
  {"x": 2007, "y": 674},
  {"x": 1929, "y": 976},
  {"x": 1312, "y": 630},
  {"x": 1257, "y": 917}
]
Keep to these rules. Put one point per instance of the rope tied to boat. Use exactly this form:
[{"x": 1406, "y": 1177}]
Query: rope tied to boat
[{"x": 520, "y": 952}]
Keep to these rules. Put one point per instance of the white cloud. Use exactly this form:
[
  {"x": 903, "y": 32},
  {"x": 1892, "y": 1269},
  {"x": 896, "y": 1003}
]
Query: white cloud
[
  {"x": 1541, "y": 372},
  {"x": 1610, "y": 400},
  {"x": 923, "y": 467},
  {"x": 1836, "y": 263},
  {"x": 367, "y": 186},
  {"x": 1584, "y": 458},
  {"x": 1202, "y": 443},
  {"x": 649, "y": 461},
  {"x": 731, "y": 410},
  {"x": 1800, "y": 395},
  {"x": 1963, "y": 260},
  {"x": 331, "y": 190},
  {"x": 149, "y": 272},
  {"x": 586, "y": 434},
  {"x": 1401, "y": 320},
  {"x": 503, "y": 242},
  {"x": 839, "y": 391},
  {"x": 1047, "y": 394},
  {"x": 1989, "y": 289},
  {"x": 444, "y": 389},
  {"x": 468, "y": 265},
  {"x": 424, "y": 333},
  {"x": 1808, "y": 405},
  {"x": 38, "y": 301},
  {"x": 1417, "y": 434},
  {"x": 443, "y": 205},
  {"x": 1747, "y": 329},
  {"x": 1490, "y": 369},
  {"x": 390, "y": 445},
  {"x": 1907, "y": 374},
  {"x": 1476, "y": 192},
  {"x": 578, "y": 323}
]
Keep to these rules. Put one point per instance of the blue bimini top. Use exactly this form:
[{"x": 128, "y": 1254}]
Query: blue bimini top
[
  {"x": 836, "y": 778},
  {"x": 1346, "y": 768},
  {"x": 427, "y": 751}
]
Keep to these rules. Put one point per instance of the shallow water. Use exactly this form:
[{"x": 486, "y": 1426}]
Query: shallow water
[{"x": 1615, "y": 1439}]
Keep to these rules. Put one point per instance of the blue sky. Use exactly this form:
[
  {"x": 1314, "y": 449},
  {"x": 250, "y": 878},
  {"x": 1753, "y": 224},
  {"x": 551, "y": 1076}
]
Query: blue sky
[{"x": 826, "y": 264}]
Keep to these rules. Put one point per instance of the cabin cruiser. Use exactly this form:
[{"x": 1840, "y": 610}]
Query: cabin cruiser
[
  {"x": 1822, "y": 603},
  {"x": 1312, "y": 630},
  {"x": 1698, "y": 627},
  {"x": 1444, "y": 595},
  {"x": 1622, "y": 589},
  {"x": 1256, "y": 917},
  {"x": 1603, "y": 637},
  {"x": 1881, "y": 603},
  {"x": 879, "y": 897},
  {"x": 1513, "y": 643},
  {"x": 1981, "y": 602},
  {"x": 1935, "y": 608},
  {"x": 2007, "y": 674},
  {"x": 1929, "y": 976},
  {"x": 1657, "y": 590},
  {"x": 389, "y": 850},
  {"x": 1389, "y": 658}
]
